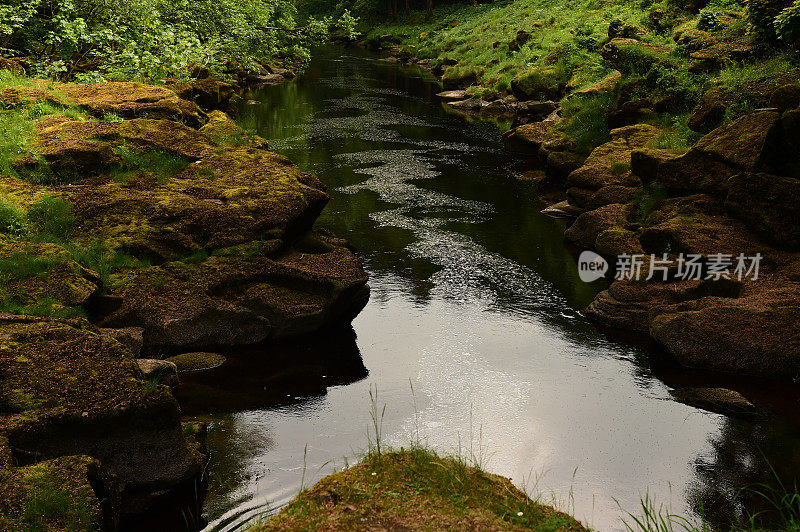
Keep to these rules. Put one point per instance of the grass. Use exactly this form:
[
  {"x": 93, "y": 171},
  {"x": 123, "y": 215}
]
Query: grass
[
  {"x": 585, "y": 120},
  {"x": 567, "y": 33},
  {"x": 21, "y": 265},
  {"x": 647, "y": 198},
  {"x": 412, "y": 489},
  {"x": 13, "y": 221},
  {"x": 735, "y": 75},
  {"x": 677, "y": 136},
  {"x": 99, "y": 257},
  {"x": 49, "y": 503},
  {"x": 155, "y": 163},
  {"x": 46, "y": 306},
  {"x": 51, "y": 218}
]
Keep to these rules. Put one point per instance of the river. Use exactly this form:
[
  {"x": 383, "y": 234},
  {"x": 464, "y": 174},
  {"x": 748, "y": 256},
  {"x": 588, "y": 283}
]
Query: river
[{"x": 475, "y": 304}]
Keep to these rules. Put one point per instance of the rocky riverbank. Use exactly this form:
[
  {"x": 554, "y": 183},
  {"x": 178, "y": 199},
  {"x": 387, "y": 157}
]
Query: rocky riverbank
[
  {"x": 139, "y": 222},
  {"x": 718, "y": 185}
]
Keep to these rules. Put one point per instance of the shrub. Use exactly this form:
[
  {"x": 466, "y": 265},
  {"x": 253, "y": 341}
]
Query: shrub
[
  {"x": 787, "y": 23},
  {"x": 152, "y": 39},
  {"x": 762, "y": 14},
  {"x": 52, "y": 218},
  {"x": 709, "y": 21}
]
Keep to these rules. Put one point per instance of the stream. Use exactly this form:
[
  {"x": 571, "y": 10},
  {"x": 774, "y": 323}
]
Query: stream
[{"x": 472, "y": 339}]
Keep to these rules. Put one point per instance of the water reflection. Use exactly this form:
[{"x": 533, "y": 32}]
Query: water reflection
[{"x": 278, "y": 374}]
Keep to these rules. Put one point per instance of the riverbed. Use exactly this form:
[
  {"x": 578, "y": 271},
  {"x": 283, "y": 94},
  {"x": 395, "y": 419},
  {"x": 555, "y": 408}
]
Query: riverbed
[{"x": 472, "y": 340}]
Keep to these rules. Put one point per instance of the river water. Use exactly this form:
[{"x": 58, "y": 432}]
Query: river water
[{"x": 475, "y": 304}]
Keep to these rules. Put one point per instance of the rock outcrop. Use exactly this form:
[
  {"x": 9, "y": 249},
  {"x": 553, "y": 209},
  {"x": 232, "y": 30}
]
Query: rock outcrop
[
  {"x": 178, "y": 232},
  {"x": 733, "y": 195}
]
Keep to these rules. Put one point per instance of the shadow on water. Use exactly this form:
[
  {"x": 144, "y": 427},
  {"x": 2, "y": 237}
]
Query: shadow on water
[
  {"x": 476, "y": 299},
  {"x": 279, "y": 374}
]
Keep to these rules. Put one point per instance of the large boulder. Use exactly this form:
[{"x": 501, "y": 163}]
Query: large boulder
[
  {"x": 74, "y": 149},
  {"x": 36, "y": 271},
  {"x": 697, "y": 225},
  {"x": 131, "y": 100},
  {"x": 586, "y": 227},
  {"x": 238, "y": 196},
  {"x": 745, "y": 145},
  {"x": 752, "y": 335},
  {"x": 628, "y": 304},
  {"x": 242, "y": 298},
  {"x": 768, "y": 204},
  {"x": 527, "y": 138}
]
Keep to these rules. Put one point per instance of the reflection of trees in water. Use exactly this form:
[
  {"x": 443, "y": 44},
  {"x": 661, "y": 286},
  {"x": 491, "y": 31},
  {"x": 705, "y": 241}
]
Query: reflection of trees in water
[{"x": 745, "y": 454}]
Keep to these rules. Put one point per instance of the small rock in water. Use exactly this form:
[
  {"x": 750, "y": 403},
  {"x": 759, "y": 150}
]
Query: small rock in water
[
  {"x": 197, "y": 361},
  {"x": 161, "y": 371},
  {"x": 453, "y": 95},
  {"x": 718, "y": 400}
]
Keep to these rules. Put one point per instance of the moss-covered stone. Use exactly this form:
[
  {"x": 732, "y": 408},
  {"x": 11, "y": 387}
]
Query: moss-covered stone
[
  {"x": 69, "y": 390},
  {"x": 545, "y": 83}
]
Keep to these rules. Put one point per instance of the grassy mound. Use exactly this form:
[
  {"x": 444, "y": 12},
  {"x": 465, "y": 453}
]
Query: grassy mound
[{"x": 416, "y": 490}]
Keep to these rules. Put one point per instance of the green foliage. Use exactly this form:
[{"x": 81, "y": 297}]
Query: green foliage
[
  {"x": 12, "y": 219},
  {"x": 676, "y": 136},
  {"x": 709, "y": 21},
  {"x": 735, "y": 75},
  {"x": 586, "y": 120},
  {"x": 22, "y": 266},
  {"x": 762, "y": 15},
  {"x": 154, "y": 39},
  {"x": 48, "y": 503},
  {"x": 47, "y": 306},
  {"x": 52, "y": 218},
  {"x": 104, "y": 260},
  {"x": 787, "y": 23}
]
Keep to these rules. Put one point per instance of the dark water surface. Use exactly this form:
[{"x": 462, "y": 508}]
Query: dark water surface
[{"x": 475, "y": 301}]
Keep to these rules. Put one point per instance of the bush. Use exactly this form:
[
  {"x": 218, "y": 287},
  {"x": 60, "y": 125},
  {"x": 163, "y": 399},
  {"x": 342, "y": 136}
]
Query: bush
[
  {"x": 762, "y": 14},
  {"x": 52, "y": 218},
  {"x": 709, "y": 21},
  {"x": 787, "y": 23},
  {"x": 12, "y": 219}
]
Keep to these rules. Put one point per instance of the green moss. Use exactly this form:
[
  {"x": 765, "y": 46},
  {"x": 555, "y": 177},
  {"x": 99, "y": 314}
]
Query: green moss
[{"x": 542, "y": 83}]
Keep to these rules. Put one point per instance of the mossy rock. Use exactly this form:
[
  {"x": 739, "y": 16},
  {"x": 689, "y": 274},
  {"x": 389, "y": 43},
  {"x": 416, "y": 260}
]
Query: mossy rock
[
  {"x": 458, "y": 77},
  {"x": 540, "y": 83},
  {"x": 33, "y": 271},
  {"x": 197, "y": 361},
  {"x": 69, "y": 390}
]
